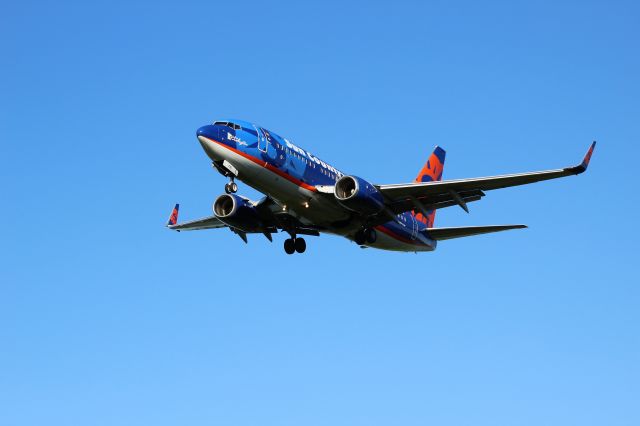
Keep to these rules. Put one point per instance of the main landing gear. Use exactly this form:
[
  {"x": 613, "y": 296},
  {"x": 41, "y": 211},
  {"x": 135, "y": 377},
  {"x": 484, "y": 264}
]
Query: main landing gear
[
  {"x": 365, "y": 236},
  {"x": 231, "y": 187},
  {"x": 292, "y": 245}
]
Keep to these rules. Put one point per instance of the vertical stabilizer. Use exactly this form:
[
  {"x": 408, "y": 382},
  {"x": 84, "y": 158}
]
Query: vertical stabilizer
[{"x": 431, "y": 171}]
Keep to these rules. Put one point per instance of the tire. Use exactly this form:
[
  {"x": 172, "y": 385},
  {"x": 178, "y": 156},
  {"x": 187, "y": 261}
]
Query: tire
[
  {"x": 233, "y": 187},
  {"x": 359, "y": 238},
  {"x": 227, "y": 189},
  {"x": 289, "y": 246},
  {"x": 301, "y": 245},
  {"x": 371, "y": 236}
]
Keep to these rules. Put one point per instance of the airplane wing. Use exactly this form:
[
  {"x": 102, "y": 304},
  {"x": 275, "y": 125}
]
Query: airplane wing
[
  {"x": 438, "y": 194},
  {"x": 273, "y": 216},
  {"x": 209, "y": 222},
  {"x": 467, "y": 231}
]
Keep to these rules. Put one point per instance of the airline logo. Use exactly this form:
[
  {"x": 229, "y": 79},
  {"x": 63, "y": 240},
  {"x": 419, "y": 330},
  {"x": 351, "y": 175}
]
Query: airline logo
[
  {"x": 312, "y": 158},
  {"x": 236, "y": 139}
]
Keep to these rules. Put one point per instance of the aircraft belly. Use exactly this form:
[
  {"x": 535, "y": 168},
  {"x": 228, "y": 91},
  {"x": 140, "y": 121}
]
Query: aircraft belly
[{"x": 320, "y": 211}]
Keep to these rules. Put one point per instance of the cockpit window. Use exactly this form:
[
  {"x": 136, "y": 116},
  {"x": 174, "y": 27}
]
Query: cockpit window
[{"x": 228, "y": 124}]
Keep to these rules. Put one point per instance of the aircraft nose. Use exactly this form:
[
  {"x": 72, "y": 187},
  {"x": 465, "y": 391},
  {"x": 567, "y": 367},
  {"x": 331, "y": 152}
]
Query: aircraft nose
[
  {"x": 209, "y": 131},
  {"x": 206, "y": 135}
]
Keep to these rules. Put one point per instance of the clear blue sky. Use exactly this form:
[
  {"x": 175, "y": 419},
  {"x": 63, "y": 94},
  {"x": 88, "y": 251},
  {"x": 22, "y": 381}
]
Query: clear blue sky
[{"x": 107, "y": 318}]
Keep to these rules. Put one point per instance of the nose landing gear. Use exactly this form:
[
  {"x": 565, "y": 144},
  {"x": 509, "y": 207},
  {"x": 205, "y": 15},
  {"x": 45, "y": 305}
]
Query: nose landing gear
[
  {"x": 226, "y": 169},
  {"x": 231, "y": 187}
]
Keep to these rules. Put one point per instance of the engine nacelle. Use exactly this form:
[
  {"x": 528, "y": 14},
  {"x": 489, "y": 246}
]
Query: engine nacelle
[
  {"x": 358, "y": 195},
  {"x": 237, "y": 212}
]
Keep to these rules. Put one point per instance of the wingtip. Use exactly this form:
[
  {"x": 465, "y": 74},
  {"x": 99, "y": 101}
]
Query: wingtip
[
  {"x": 582, "y": 167},
  {"x": 173, "y": 218},
  {"x": 587, "y": 157}
]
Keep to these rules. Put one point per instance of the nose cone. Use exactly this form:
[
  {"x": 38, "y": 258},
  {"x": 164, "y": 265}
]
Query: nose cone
[
  {"x": 209, "y": 131},
  {"x": 206, "y": 136}
]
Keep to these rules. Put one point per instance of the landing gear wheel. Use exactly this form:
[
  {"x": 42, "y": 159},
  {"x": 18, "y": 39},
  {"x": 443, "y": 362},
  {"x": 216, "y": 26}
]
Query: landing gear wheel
[
  {"x": 289, "y": 246},
  {"x": 360, "y": 238},
  {"x": 370, "y": 235},
  {"x": 365, "y": 236},
  {"x": 231, "y": 188},
  {"x": 301, "y": 245}
]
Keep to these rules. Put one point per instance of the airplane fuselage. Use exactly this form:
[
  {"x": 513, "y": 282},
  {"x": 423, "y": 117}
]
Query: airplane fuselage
[{"x": 296, "y": 180}]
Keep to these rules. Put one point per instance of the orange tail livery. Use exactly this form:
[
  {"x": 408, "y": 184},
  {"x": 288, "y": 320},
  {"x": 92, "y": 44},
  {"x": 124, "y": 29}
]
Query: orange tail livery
[{"x": 431, "y": 171}]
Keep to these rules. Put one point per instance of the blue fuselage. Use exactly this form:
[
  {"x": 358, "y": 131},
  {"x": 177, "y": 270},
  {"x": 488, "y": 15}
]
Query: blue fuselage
[{"x": 300, "y": 181}]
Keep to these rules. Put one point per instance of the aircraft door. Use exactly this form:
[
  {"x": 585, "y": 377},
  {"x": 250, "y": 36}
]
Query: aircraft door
[{"x": 263, "y": 139}]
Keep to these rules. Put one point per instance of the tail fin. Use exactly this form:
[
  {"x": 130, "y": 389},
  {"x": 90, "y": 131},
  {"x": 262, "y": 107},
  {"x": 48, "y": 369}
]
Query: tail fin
[
  {"x": 173, "y": 219},
  {"x": 431, "y": 171}
]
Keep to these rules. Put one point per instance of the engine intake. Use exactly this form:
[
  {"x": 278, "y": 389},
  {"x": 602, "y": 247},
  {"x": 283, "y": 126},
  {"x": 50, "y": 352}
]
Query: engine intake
[
  {"x": 358, "y": 195},
  {"x": 237, "y": 212}
]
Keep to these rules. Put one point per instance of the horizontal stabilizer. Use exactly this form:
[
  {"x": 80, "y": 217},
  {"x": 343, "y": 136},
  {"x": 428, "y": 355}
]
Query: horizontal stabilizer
[{"x": 468, "y": 231}]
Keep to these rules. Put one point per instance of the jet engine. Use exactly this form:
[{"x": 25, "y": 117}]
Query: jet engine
[
  {"x": 358, "y": 195},
  {"x": 237, "y": 212}
]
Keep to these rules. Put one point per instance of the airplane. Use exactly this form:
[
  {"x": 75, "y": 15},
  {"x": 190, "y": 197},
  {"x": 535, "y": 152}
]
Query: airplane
[{"x": 305, "y": 195}]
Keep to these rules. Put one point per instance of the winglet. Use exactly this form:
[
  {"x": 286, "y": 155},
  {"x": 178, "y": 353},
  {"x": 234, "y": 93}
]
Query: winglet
[
  {"x": 173, "y": 219},
  {"x": 587, "y": 158}
]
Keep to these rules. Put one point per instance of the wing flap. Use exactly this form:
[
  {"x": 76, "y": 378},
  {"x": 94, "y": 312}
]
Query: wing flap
[
  {"x": 438, "y": 201},
  {"x": 468, "y": 231}
]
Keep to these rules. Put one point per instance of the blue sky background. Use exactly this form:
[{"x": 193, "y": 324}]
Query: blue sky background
[{"x": 106, "y": 318}]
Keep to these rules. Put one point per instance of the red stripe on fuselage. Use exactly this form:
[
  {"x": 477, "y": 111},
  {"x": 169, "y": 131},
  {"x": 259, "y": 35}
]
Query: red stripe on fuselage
[{"x": 267, "y": 166}]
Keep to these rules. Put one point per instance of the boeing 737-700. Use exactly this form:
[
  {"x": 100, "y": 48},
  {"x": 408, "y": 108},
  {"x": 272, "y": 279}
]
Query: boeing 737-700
[{"x": 306, "y": 196}]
